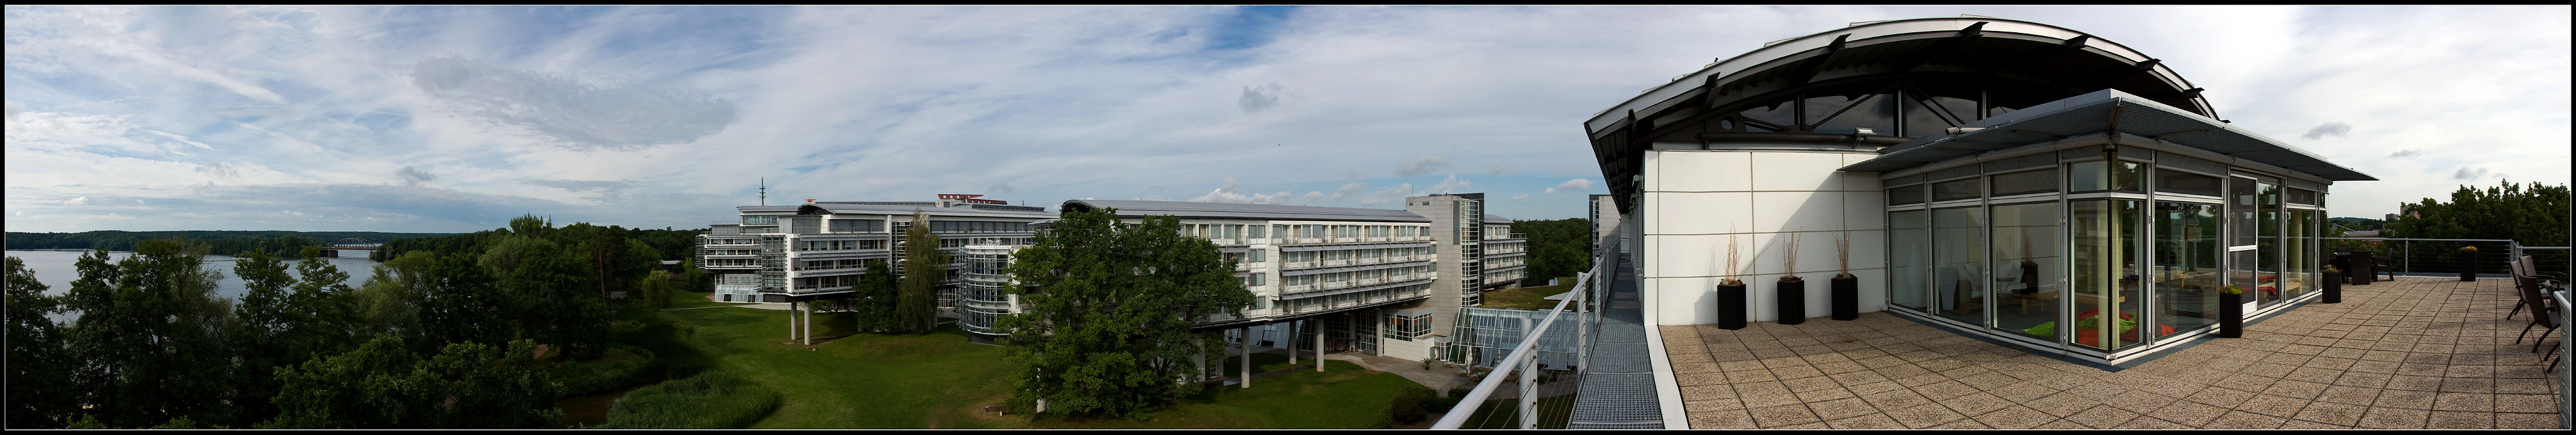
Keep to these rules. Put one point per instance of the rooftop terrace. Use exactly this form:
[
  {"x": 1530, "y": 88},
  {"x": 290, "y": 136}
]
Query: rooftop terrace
[{"x": 2418, "y": 352}]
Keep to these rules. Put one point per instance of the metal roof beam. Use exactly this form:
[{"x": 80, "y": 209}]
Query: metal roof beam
[
  {"x": 1941, "y": 48},
  {"x": 1808, "y": 70}
]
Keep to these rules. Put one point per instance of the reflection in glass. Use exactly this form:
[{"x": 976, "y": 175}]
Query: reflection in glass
[
  {"x": 2025, "y": 182},
  {"x": 1902, "y": 195},
  {"x": 2186, "y": 266},
  {"x": 1958, "y": 189},
  {"x": 2172, "y": 181},
  {"x": 2301, "y": 250},
  {"x": 1922, "y": 119},
  {"x": 2105, "y": 283},
  {"x": 2026, "y": 266},
  {"x": 1907, "y": 257},
  {"x": 1959, "y": 264},
  {"x": 2267, "y": 247},
  {"x": 2127, "y": 176},
  {"x": 1876, "y": 112},
  {"x": 2093, "y": 176}
]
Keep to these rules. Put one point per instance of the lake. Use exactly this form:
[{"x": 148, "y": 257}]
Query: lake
[{"x": 54, "y": 268}]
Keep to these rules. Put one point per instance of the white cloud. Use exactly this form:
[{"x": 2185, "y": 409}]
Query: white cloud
[
  {"x": 1419, "y": 166},
  {"x": 77, "y": 201},
  {"x": 1574, "y": 185}
]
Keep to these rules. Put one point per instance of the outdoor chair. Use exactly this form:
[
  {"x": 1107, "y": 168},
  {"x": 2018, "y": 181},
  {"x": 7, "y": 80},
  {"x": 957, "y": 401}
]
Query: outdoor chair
[
  {"x": 2525, "y": 269},
  {"x": 2383, "y": 265},
  {"x": 2544, "y": 312}
]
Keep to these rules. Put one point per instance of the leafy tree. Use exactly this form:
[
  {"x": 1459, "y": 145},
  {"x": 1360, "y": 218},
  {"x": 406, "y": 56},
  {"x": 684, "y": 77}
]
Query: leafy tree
[
  {"x": 389, "y": 301},
  {"x": 1557, "y": 248},
  {"x": 266, "y": 318},
  {"x": 693, "y": 279},
  {"x": 872, "y": 301},
  {"x": 549, "y": 290},
  {"x": 39, "y": 390},
  {"x": 1108, "y": 326},
  {"x": 2535, "y": 214},
  {"x": 382, "y": 385},
  {"x": 924, "y": 267},
  {"x": 657, "y": 289},
  {"x": 326, "y": 314},
  {"x": 151, "y": 336},
  {"x": 459, "y": 303}
]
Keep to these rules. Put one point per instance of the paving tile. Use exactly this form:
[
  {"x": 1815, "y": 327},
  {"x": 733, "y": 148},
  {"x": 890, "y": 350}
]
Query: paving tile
[
  {"x": 2403, "y": 399},
  {"x": 2061, "y": 424},
  {"x": 2245, "y": 420},
  {"x": 2220, "y": 397},
  {"x": 2273, "y": 405},
  {"x": 2102, "y": 417},
  {"x": 1760, "y": 394},
  {"x": 2187, "y": 413},
  {"x": 2064, "y": 404},
  {"x": 2140, "y": 402},
  {"x": 1944, "y": 389},
  {"x": 2304, "y": 424},
  {"x": 1874, "y": 387},
  {"x": 1708, "y": 392},
  {"x": 2349, "y": 395},
  {"x": 1895, "y": 399},
  {"x": 2332, "y": 413},
  {"x": 1797, "y": 372},
  {"x": 1737, "y": 366},
  {"x": 2482, "y": 402},
  {"x": 1924, "y": 415},
  {"x": 2512, "y": 420},
  {"x": 1783, "y": 415},
  {"x": 2468, "y": 385},
  {"x": 2394, "y": 418},
  {"x": 1813, "y": 426},
  {"x": 1728, "y": 419},
  {"x": 1962, "y": 424},
  {"x": 2526, "y": 403},
  {"x": 2150, "y": 423},
  {"x": 1699, "y": 406},
  {"x": 2461, "y": 420},
  {"x": 2021, "y": 392},
  {"x": 1749, "y": 376},
  {"x": 1841, "y": 408},
  {"x": 1974, "y": 404}
]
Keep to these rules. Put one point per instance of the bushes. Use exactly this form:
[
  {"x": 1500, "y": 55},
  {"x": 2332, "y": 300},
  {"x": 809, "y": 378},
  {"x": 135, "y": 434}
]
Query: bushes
[
  {"x": 618, "y": 367},
  {"x": 1411, "y": 404},
  {"x": 715, "y": 399}
]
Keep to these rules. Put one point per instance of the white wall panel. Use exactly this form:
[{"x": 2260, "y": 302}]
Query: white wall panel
[
  {"x": 1683, "y": 301},
  {"x": 1692, "y": 255},
  {"x": 1700, "y": 213},
  {"x": 1796, "y": 171},
  {"x": 1698, "y": 171},
  {"x": 1798, "y": 211},
  {"x": 1865, "y": 210}
]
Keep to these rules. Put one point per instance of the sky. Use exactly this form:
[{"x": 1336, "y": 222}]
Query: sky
[{"x": 455, "y": 119}]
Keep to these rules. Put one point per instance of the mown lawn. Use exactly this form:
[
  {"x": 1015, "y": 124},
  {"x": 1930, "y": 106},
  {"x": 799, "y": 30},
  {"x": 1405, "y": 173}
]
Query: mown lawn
[
  {"x": 938, "y": 380},
  {"x": 1526, "y": 298}
]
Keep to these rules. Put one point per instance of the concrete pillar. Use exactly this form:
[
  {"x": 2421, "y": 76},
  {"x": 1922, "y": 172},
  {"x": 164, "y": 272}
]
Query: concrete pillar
[
  {"x": 1290, "y": 342},
  {"x": 1198, "y": 350},
  {"x": 1319, "y": 344},
  {"x": 1247, "y": 357},
  {"x": 791, "y": 320},
  {"x": 809, "y": 323}
]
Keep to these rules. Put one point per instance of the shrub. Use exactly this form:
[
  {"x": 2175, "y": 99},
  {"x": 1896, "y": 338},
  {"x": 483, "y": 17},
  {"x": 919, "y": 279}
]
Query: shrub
[
  {"x": 715, "y": 399},
  {"x": 616, "y": 368},
  {"x": 1411, "y": 404}
]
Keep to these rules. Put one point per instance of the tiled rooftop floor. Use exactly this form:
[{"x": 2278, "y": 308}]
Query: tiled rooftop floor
[{"x": 2409, "y": 354}]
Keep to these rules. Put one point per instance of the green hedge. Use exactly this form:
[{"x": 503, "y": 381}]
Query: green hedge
[
  {"x": 715, "y": 399},
  {"x": 620, "y": 366}
]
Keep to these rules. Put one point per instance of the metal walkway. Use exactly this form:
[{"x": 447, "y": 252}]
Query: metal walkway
[{"x": 1619, "y": 389}]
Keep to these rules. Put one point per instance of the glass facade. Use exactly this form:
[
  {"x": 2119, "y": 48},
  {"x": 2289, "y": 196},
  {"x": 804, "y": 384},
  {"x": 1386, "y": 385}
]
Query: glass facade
[{"x": 2101, "y": 255}]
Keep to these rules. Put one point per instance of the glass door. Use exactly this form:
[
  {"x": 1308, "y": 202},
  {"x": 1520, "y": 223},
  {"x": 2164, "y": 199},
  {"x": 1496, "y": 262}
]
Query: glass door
[{"x": 2244, "y": 250}]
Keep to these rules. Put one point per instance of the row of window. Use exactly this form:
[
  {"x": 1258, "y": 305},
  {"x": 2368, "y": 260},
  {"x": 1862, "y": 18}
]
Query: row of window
[
  {"x": 846, "y": 263},
  {"x": 1336, "y": 279},
  {"x": 939, "y": 226},
  {"x": 1299, "y": 257}
]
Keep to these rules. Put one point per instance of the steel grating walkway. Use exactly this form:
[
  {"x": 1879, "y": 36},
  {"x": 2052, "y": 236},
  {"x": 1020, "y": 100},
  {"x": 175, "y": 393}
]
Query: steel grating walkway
[{"x": 1619, "y": 390}]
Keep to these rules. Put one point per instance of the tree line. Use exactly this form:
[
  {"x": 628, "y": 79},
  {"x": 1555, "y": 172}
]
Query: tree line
[
  {"x": 235, "y": 243},
  {"x": 2534, "y": 214},
  {"x": 1557, "y": 248},
  {"x": 429, "y": 340}
]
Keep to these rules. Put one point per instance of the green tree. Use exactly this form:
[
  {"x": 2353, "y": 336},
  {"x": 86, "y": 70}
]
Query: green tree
[
  {"x": 2534, "y": 214},
  {"x": 266, "y": 318},
  {"x": 1108, "y": 326},
  {"x": 459, "y": 303},
  {"x": 549, "y": 290},
  {"x": 657, "y": 289},
  {"x": 924, "y": 267},
  {"x": 389, "y": 301},
  {"x": 152, "y": 337},
  {"x": 1557, "y": 248},
  {"x": 326, "y": 312},
  {"x": 872, "y": 301},
  {"x": 381, "y": 384},
  {"x": 39, "y": 390}
]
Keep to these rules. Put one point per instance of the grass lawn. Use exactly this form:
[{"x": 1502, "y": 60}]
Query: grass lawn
[
  {"x": 1528, "y": 298},
  {"x": 938, "y": 380},
  {"x": 690, "y": 299}
]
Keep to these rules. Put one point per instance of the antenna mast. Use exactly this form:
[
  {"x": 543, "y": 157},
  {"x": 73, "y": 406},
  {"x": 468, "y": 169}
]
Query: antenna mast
[{"x": 764, "y": 190}]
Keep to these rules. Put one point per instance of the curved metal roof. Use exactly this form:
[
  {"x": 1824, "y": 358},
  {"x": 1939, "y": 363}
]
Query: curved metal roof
[
  {"x": 2099, "y": 113},
  {"x": 1246, "y": 211},
  {"x": 1788, "y": 52}
]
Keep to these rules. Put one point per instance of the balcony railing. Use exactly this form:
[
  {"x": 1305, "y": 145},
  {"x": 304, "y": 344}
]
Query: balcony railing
[{"x": 1524, "y": 357}]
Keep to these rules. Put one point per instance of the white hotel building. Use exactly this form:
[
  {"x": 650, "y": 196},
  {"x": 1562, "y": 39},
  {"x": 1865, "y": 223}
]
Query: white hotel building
[{"x": 816, "y": 251}]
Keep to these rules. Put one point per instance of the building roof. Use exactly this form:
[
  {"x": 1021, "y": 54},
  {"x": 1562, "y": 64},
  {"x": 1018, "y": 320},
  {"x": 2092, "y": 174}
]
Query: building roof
[
  {"x": 764, "y": 208},
  {"x": 1246, "y": 211},
  {"x": 2097, "y": 113},
  {"x": 1492, "y": 219},
  {"x": 823, "y": 208}
]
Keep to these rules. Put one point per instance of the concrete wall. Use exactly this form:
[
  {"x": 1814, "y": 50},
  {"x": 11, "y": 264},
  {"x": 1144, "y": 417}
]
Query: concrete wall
[{"x": 1696, "y": 200}]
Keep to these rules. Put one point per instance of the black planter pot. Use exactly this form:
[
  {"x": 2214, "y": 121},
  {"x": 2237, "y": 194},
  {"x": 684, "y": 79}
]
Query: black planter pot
[
  {"x": 2231, "y": 314},
  {"x": 2334, "y": 287},
  {"x": 2468, "y": 266},
  {"x": 1730, "y": 306},
  {"x": 1846, "y": 298},
  {"x": 1792, "y": 300}
]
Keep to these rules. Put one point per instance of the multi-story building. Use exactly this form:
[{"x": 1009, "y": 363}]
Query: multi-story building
[
  {"x": 1329, "y": 269},
  {"x": 817, "y": 250}
]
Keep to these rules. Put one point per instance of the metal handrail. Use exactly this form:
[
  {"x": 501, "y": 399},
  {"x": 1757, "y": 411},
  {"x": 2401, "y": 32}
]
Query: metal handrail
[{"x": 1525, "y": 354}]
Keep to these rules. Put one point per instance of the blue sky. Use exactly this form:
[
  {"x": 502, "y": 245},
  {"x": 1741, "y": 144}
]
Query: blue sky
[{"x": 457, "y": 118}]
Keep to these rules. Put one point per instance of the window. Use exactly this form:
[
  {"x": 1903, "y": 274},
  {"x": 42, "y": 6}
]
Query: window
[
  {"x": 2027, "y": 182},
  {"x": 1254, "y": 255},
  {"x": 2026, "y": 266},
  {"x": 2172, "y": 181},
  {"x": 1959, "y": 264},
  {"x": 1953, "y": 190},
  {"x": 1902, "y": 195},
  {"x": 2093, "y": 176}
]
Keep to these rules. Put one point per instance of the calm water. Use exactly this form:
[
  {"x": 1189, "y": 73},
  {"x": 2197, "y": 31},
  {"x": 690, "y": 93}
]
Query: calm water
[{"x": 54, "y": 268}]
